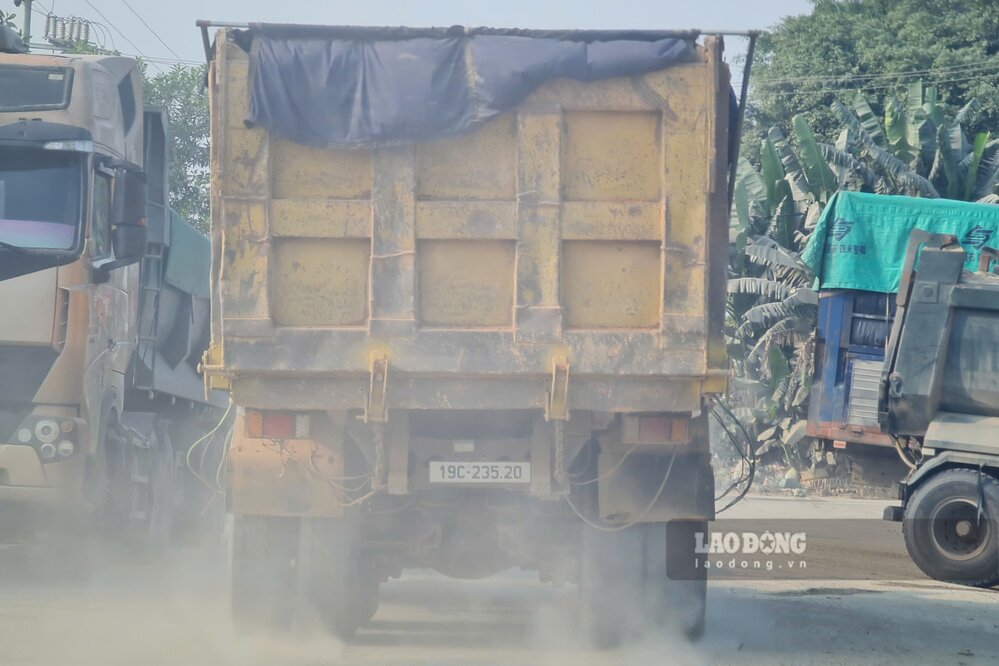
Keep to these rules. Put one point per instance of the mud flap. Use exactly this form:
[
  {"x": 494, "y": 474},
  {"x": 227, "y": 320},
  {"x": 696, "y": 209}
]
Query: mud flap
[{"x": 636, "y": 488}]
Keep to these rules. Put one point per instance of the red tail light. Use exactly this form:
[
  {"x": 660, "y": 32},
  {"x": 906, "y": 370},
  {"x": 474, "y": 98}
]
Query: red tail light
[
  {"x": 655, "y": 429},
  {"x": 276, "y": 425}
]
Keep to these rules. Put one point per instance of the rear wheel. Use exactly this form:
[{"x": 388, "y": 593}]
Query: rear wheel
[
  {"x": 288, "y": 570},
  {"x": 263, "y": 567},
  {"x": 343, "y": 587},
  {"x": 626, "y": 591},
  {"x": 951, "y": 530}
]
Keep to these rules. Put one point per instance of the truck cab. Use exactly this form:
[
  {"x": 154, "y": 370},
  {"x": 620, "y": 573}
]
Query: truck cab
[{"x": 72, "y": 209}]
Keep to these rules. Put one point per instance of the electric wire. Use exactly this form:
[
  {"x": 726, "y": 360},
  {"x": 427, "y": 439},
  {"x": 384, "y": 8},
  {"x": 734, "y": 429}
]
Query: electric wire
[
  {"x": 201, "y": 439},
  {"x": 609, "y": 472},
  {"x": 118, "y": 30},
  {"x": 880, "y": 87},
  {"x": 744, "y": 460},
  {"x": 749, "y": 455},
  {"x": 149, "y": 27},
  {"x": 836, "y": 78},
  {"x": 638, "y": 519}
]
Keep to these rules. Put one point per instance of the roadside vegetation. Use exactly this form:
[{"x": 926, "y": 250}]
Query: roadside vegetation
[{"x": 847, "y": 115}]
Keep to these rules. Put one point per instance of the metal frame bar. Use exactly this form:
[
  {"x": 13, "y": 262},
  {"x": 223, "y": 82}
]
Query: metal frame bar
[
  {"x": 360, "y": 31},
  {"x": 741, "y": 114}
]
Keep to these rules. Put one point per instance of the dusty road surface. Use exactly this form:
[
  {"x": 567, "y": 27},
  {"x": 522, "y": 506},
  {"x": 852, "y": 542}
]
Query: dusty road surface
[{"x": 175, "y": 613}]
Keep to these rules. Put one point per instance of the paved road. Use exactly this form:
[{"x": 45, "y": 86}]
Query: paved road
[{"x": 175, "y": 614}]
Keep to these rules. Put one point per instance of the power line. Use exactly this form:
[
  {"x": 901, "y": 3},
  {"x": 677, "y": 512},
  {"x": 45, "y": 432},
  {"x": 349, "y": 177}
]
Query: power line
[
  {"x": 836, "y": 78},
  {"x": 881, "y": 87},
  {"x": 101, "y": 14},
  {"x": 148, "y": 27}
]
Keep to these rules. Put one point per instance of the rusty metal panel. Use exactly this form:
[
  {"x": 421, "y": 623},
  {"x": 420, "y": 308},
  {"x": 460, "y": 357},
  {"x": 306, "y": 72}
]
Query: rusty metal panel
[
  {"x": 612, "y": 156},
  {"x": 466, "y": 220},
  {"x": 466, "y": 283},
  {"x": 611, "y": 284},
  {"x": 393, "y": 243},
  {"x": 239, "y": 97},
  {"x": 587, "y": 224},
  {"x": 315, "y": 173},
  {"x": 480, "y": 165},
  {"x": 592, "y": 220},
  {"x": 243, "y": 286},
  {"x": 320, "y": 218},
  {"x": 321, "y": 282},
  {"x": 245, "y": 154}
]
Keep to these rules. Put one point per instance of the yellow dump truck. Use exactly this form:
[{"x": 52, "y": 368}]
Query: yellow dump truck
[{"x": 468, "y": 292}]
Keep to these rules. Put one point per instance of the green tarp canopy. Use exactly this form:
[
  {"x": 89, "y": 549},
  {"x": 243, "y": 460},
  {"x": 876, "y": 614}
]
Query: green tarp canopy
[
  {"x": 190, "y": 257},
  {"x": 860, "y": 239}
]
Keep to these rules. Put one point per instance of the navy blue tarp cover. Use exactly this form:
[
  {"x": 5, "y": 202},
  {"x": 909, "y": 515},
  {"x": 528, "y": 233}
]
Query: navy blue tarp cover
[{"x": 328, "y": 86}]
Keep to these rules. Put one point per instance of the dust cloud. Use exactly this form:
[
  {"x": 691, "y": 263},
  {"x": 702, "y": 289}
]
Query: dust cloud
[{"x": 175, "y": 611}]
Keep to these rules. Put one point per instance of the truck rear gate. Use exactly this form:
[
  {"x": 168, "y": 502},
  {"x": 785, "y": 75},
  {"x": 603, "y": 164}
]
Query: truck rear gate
[{"x": 574, "y": 232}]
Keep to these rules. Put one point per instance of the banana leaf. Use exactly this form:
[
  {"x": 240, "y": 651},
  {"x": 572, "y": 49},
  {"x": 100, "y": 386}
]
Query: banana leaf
[
  {"x": 768, "y": 252},
  {"x": 773, "y": 173},
  {"x": 988, "y": 177},
  {"x": 921, "y": 128},
  {"x": 897, "y": 130},
  {"x": 850, "y": 168},
  {"x": 778, "y": 366},
  {"x": 764, "y": 287},
  {"x": 901, "y": 174},
  {"x": 793, "y": 173},
  {"x": 949, "y": 155},
  {"x": 914, "y": 97},
  {"x": 868, "y": 121},
  {"x": 740, "y": 207},
  {"x": 782, "y": 222},
  {"x": 971, "y": 178},
  {"x": 821, "y": 179},
  {"x": 933, "y": 110},
  {"x": 966, "y": 112}
]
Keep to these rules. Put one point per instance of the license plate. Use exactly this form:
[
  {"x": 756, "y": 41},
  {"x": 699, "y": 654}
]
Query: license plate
[{"x": 480, "y": 472}]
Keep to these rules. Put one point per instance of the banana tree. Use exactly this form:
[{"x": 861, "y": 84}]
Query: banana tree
[
  {"x": 915, "y": 149},
  {"x": 772, "y": 307}
]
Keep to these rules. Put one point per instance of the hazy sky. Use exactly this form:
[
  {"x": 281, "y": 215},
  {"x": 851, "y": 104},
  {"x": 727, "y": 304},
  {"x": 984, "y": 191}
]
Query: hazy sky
[{"x": 173, "y": 20}]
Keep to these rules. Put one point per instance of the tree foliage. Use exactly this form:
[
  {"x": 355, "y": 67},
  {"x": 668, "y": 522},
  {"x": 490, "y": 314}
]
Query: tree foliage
[
  {"x": 807, "y": 62},
  {"x": 181, "y": 92}
]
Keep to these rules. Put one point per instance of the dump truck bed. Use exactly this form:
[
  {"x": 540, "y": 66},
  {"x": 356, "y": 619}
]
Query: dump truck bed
[{"x": 567, "y": 254}]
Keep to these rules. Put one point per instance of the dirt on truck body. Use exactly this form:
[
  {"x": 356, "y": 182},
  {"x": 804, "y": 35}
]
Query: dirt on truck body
[{"x": 474, "y": 336}]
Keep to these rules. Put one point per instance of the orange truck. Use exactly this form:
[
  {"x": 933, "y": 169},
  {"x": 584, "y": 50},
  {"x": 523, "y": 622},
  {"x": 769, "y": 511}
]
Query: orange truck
[{"x": 468, "y": 294}]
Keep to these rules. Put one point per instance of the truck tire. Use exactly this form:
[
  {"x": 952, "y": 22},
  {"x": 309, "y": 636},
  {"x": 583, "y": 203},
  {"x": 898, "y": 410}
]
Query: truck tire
[
  {"x": 153, "y": 534},
  {"x": 264, "y": 575},
  {"x": 942, "y": 531},
  {"x": 342, "y": 586},
  {"x": 625, "y": 591}
]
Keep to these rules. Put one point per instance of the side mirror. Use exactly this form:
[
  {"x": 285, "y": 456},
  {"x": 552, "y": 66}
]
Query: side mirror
[
  {"x": 129, "y": 243},
  {"x": 129, "y": 205},
  {"x": 128, "y": 226}
]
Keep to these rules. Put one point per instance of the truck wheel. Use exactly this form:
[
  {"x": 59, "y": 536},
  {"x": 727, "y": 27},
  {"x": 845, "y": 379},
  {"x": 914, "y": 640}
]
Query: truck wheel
[
  {"x": 943, "y": 533},
  {"x": 624, "y": 587},
  {"x": 154, "y": 534},
  {"x": 342, "y": 586},
  {"x": 264, "y": 576}
]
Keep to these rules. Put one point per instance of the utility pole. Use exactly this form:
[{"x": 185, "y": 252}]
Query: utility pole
[{"x": 26, "y": 23}]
